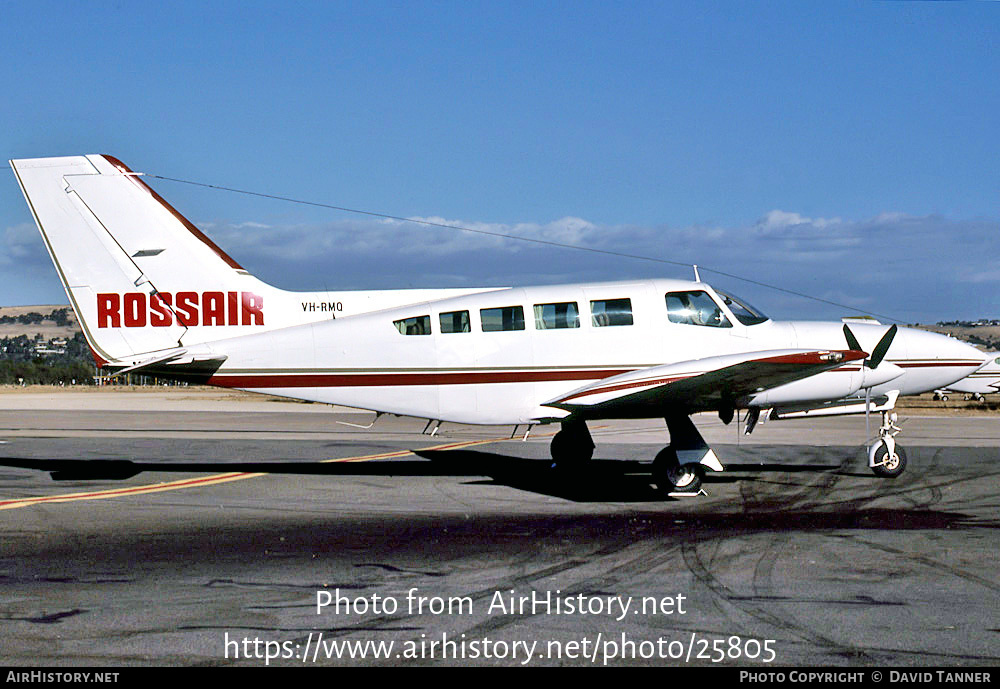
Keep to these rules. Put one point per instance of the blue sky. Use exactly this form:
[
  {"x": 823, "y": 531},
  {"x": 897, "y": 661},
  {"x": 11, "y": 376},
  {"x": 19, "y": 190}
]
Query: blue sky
[{"x": 847, "y": 150}]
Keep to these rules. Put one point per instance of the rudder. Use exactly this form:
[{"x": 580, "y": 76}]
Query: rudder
[{"x": 140, "y": 276}]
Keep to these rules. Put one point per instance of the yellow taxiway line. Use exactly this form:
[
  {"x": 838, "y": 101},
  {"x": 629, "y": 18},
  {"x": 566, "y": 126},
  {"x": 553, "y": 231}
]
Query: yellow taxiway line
[{"x": 217, "y": 478}]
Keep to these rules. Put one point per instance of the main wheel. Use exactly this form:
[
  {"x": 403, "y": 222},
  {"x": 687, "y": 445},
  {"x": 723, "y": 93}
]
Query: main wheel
[
  {"x": 570, "y": 448},
  {"x": 672, "y": 477},
  {"x": 890, "y": 467}
]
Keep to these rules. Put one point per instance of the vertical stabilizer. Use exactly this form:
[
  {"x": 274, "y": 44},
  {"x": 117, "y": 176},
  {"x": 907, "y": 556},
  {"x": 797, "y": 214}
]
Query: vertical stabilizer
[{"x": 140, "y": 276}]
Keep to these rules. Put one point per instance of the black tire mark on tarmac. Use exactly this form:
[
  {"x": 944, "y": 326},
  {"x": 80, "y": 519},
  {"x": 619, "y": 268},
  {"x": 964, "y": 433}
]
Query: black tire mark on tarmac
[
  {"x": 759, "y": 496},
  {"x": 649, "y": 557},
  {"x": 729, "y": 598}
]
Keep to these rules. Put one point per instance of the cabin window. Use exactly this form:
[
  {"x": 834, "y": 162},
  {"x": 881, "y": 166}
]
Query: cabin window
[
  {"x": 418, "y": 325},
  {"x": 606, "y": 312},
  {"x": 556, "y": 316},
  {"x": 503, "y": 318},
  {"x": 695, "y": 308},
  {"x": 455, "y": 322}
]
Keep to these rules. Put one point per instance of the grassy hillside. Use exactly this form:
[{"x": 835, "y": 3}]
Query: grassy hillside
[{"x": 50, "y": 321}]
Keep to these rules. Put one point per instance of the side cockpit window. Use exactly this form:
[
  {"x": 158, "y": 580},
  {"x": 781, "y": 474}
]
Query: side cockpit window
[
  {"x": 744, "y": 312},
  {"x": 418, "y": 325},
  {"x": 695, "y": 308}
]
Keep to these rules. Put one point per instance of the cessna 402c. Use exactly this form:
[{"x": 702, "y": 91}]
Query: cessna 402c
[{"x": 155, "y": 295}]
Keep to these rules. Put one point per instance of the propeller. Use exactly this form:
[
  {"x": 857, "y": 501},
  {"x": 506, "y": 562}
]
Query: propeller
[
  {"x": 875, "y": 358},
  {"x": 872, "y": 362}
]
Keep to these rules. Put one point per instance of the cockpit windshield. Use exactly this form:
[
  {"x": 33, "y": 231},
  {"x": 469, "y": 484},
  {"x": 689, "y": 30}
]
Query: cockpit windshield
[{"x": 744, "y": 312}]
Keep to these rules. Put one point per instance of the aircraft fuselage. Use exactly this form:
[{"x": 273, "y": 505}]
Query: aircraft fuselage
[{"x": 491, "y": 357}]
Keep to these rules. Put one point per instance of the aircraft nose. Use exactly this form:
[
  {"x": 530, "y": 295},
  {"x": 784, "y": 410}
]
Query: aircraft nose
[{"x": 933, "y": 360}]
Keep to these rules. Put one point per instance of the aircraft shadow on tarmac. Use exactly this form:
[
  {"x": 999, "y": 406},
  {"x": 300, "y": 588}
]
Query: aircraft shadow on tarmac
[{"x": 596, "y": 481}]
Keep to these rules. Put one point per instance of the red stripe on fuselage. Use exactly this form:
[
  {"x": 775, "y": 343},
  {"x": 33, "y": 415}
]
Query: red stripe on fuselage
[
  {"x": 348, "y": 380},
  {"x": 398, "y": 379}
]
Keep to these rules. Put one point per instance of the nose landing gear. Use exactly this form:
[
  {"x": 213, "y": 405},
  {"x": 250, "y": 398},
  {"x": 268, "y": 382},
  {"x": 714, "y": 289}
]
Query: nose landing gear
[{"x": 885, "y": 458}]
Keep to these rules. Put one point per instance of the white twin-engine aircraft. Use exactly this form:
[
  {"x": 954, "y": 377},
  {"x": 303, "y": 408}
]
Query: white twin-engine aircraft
[{"x": 155, "y": 295}]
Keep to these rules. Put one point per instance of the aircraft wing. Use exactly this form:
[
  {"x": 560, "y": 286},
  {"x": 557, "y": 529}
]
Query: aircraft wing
[{"x": 700, "y": 384}]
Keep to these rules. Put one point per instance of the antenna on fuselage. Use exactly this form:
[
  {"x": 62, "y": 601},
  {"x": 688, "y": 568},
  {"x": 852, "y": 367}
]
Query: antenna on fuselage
[{"x": 697, "y": 278}]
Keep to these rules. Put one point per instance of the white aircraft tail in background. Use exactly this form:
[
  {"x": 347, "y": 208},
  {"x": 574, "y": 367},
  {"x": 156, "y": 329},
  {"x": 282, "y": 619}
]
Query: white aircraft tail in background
[{"x": 154, "y": 294}]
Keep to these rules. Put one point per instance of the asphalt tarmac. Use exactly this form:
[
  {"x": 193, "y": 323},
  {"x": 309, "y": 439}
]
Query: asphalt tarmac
[{"x": 465, "y": 548}]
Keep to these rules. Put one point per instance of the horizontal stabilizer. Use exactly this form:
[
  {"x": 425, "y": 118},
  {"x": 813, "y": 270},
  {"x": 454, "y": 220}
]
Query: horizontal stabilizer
[
  {"x": 162, "y": 359},
  {"x": 176, "y": 364}
]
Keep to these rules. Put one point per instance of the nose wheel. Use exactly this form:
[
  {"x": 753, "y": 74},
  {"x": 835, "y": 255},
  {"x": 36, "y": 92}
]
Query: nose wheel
[
  {"x": 887, "y": 462},
  {"x": 885, "y": 458}
]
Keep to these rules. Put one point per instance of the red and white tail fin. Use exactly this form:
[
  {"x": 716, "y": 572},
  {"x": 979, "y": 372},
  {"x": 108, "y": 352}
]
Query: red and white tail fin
[
  {"x": 140, "y": 276},
  {"x": 143, "y": 279}
]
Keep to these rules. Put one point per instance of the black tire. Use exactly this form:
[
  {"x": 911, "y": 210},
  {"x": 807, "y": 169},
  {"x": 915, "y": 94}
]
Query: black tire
[
  {"x": 567, "y": 448},
  {"x": 894, "y": 468},
  {"x": 670, "y": 477}
]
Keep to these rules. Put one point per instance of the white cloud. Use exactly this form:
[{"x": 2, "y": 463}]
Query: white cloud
[
  {"x": 778, "y": 219},
  {"x": 915, "y": 267},
  {"x": 21, "y": 243}
]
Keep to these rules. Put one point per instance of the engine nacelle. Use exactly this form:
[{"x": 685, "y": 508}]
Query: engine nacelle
[{"x": 830, "y": 385}]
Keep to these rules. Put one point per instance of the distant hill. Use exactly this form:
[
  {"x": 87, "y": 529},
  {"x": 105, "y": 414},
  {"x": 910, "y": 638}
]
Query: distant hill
[
  {"x": 43, "y": 345},
  {"x": 986, "y": 337},
  {"x": 50, "y": 321}
]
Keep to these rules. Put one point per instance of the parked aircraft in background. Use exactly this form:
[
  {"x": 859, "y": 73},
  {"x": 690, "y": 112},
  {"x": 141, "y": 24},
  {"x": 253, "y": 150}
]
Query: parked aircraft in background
[
  {"x": 155, "y": 295},
  {"x": 985, "y": 381}
]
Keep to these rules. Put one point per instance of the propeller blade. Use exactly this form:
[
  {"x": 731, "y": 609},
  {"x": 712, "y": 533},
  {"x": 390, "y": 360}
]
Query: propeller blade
[
  {"x": 852, "y": 342},
  {"x": 882, "y": 347}
]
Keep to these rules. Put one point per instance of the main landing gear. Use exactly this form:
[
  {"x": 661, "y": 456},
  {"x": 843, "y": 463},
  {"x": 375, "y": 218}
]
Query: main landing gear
[
  {"x": 670, "y": 476},
  {"x": 571, "y": 446},
  {"x": 680, "y": 467},
  {"x": 885, "y": 458}
]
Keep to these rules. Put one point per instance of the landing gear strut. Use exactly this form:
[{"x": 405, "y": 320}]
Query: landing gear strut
[{"x": 885, "y": 458}]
